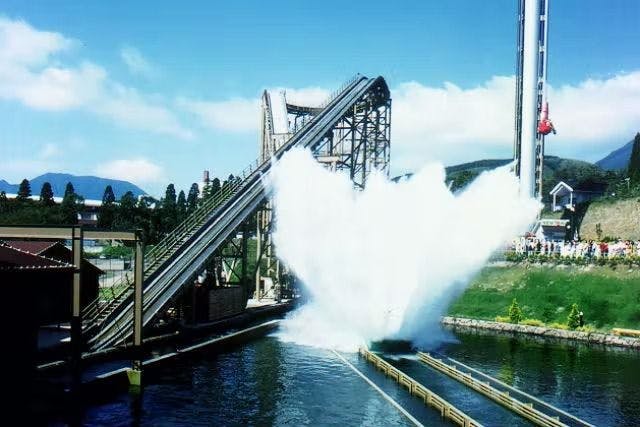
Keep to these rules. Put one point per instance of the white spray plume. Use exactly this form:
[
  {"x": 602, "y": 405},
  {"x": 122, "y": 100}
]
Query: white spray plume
[{"x": 386, "y": 261}]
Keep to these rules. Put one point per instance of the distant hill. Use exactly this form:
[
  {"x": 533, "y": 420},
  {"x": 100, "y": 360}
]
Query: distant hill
[
  {"x": 575, "y": 172},
  {"x": 477, "y": 166},
  {"x": 89, "y": 187},
  {"x": 617, "y": 159}
]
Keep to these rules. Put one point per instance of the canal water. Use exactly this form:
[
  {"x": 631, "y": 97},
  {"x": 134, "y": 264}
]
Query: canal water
[{"x": 268, "y": 382}]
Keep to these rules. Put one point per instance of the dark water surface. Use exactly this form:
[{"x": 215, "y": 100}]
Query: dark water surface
[
  {"x": 268, "y": 382},
  {"x": 598, "y": 384}
]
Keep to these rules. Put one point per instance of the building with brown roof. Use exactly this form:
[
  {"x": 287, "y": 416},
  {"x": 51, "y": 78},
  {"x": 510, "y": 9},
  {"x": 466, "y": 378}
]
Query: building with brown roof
[{"x": 40, "y": 275}]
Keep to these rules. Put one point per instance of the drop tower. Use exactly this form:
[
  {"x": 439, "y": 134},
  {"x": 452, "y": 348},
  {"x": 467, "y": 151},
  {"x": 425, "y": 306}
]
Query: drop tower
[{"x": 532, "y": 123}]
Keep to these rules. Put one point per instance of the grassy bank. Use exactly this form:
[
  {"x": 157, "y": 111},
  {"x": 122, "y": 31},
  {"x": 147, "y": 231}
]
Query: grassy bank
[{"x": 608, "y": 297}]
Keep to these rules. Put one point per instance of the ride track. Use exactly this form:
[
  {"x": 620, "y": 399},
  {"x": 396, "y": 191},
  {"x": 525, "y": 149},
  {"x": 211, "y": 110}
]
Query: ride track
[{"x": 185, "y": 251}]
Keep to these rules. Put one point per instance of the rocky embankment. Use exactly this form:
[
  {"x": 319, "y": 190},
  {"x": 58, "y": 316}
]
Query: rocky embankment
[{"x": 589, "y": 337}]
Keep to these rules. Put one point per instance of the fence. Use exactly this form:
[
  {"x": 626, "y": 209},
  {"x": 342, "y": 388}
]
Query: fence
[
  {"x": 525, "y": 410},
  {"x": 446, "y": 409}
]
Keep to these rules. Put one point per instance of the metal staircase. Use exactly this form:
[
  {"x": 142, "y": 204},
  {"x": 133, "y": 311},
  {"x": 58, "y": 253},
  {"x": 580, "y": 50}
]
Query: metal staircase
[{"x": 100, "y": 310}]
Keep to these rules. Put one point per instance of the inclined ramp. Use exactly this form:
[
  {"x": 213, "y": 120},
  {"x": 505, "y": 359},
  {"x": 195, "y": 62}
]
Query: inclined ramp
[{"x": 186, "y": 250}]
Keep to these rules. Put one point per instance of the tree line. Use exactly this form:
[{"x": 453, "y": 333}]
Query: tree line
[
  {"x": 155, "y": 217},
  {"x": 627, "y": 184},
  {"x": 24, "y": 210}
]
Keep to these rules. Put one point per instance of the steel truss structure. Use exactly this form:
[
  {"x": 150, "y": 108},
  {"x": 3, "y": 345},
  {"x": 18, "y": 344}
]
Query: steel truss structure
[
  {"x": 360, "y": 143},
  {"x": 350, "y": 132},
  {"x": 357, "y": 145},
  {"x": 522, "y": 145}
]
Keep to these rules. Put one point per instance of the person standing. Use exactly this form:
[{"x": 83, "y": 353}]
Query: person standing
[{"x": 581, "y": 319}]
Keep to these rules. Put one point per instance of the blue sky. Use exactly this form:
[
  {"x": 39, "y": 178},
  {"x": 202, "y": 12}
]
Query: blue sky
[{"x": 155, "y": 92}]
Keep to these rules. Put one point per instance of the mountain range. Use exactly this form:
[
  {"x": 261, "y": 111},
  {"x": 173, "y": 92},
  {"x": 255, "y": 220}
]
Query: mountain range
[
  {"x": 618, "y": 159},
  {"x": 89, "y": 187},
  {"x": 92, "y": 187}
]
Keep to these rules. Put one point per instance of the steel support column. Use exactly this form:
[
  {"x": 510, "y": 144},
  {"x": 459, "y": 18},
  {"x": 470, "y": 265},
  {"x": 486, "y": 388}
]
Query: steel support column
[
  {"x": 76, "y": 311},
  {"x": 135, "y": 373}
]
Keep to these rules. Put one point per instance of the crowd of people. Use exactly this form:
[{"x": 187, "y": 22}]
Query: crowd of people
[{"x": 576, "y": 249}]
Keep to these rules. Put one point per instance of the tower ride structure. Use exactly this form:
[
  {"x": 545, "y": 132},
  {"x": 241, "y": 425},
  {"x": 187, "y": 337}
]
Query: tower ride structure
[{"x": 532, "y": 122}]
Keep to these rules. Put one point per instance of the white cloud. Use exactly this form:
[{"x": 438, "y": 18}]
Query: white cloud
[
  {"x": 308, "y": 96},
  {"x": 238, "y": 115},
  {"x": 22, "y": 44},
  {"x": 30, "y": 72},
  {"x": 128, "y": 107},
  {"x": 242, "y": 115},
  {"x": 597, "y": 110},
  {"x": 451, "y": 124},
  {"x": 138, "y": 171},
  {"x": 49, "y": 151},
  {"x": 17, "y": 169},
  {"x": 54, "y": 88},
  {"x": 137, "y": 63}
]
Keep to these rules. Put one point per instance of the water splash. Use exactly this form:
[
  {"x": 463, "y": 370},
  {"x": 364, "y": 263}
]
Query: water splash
[{"x": 385, "y": 262}]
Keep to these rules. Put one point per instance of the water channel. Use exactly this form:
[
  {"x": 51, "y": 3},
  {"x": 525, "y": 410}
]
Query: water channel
[{"x": 268, "y": 382}]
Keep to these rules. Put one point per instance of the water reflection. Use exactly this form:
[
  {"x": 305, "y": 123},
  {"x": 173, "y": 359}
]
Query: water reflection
[
  {"x": 267, "y": 382},
  {"x": 600, "y": 384}
]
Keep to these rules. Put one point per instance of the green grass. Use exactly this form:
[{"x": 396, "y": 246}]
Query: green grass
[{"x": 609, "y": 298}]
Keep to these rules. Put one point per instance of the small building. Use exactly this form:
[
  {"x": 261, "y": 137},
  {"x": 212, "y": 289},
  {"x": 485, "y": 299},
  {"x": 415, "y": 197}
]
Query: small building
[
  {"x": 566, "y": 196},
  {"x": 89, "y": 213},
  {"x": 47, "y": 266},
  {"x": 551, "y": 229}
]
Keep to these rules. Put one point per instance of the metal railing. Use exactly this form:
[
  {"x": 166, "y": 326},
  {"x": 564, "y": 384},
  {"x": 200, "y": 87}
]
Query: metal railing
[
  {"x": 170, "y": 242},
  {"x": 184, "y": 232},
  {"x": 525, "y": 410},
  {"x": 446, "y": 409}
]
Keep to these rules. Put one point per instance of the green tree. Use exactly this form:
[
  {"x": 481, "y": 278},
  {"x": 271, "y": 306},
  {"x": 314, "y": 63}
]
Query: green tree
[
  {"x": 226, "y": 184},
  {"x": 215, "y": 186},
  {"x": 4, "y": 202},
  {"x": 573, "y": 319},
  {"x": 46, "y": 194},
  {"x": 126, "y": 212},
  {"x": 634, "y": 161},
  {"x": 169, "y": 201},
  {"x": 69, "y": 190},
  {"x": 148, "y": 219},
  {"x": 108, "y": 198},
  {"x": 181, "y": 206},
  {"x": 70, "y": 206},
  {"x": 206, "y": 191},
  {"x": 192, "y": 198},
  {"x": 515, "y": 312},
  {"x": 24, "y": 191},
  {"x": 107, "y": 213},
  {"x": 169, "y": 209}
]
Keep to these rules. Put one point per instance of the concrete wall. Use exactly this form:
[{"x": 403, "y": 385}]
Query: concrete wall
[
  {"x": 590, "y": 337},
  {"x": 618, "y": 219}
]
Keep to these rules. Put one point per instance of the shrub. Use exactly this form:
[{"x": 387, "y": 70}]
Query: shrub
[
  {"x": 586, "y": 328},
  {"x": 515, "y": 312},
  {"x": 503, "y": 319},
  {"x": 573, "y": 319},
  {"x": 512, "y": 257},
  {"x": 117, "y": 252},
  {"x": 532, "y": 322}
]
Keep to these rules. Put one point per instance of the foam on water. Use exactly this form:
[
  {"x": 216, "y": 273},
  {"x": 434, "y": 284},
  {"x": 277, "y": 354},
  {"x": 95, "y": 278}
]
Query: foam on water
[{"x": 385, "y": 262}]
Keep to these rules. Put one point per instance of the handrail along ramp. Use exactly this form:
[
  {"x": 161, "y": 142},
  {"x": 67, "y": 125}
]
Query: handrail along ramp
[
  {"x": 190, "y": 252},
  {"x": 525, "y": 410},
  {"x": 447, "y": 410}
]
